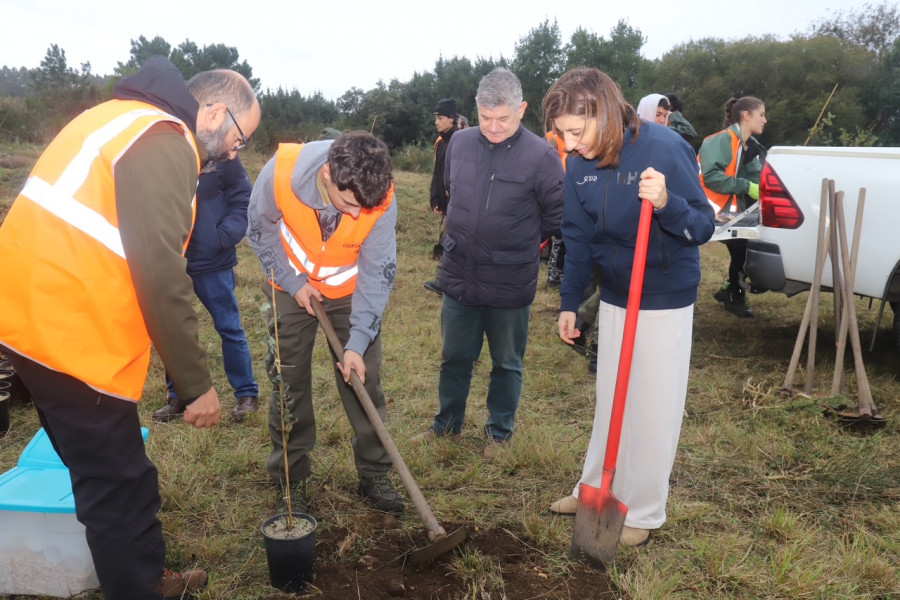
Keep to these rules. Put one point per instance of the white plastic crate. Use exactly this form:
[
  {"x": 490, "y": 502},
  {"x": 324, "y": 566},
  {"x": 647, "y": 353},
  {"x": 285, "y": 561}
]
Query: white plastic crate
[{"x": 43, "y": 550}]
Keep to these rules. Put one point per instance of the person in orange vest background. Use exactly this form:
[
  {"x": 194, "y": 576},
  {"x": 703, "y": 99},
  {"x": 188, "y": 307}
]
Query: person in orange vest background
[
  {"x": 730, "y": 165},
  {"x": 322, "y": 218},
  {"x": 95, "y": 244}
]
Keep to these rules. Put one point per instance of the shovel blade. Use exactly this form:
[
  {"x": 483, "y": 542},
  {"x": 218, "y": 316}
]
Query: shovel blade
[
  {"x": 439, "y": 547},
  {"x": 599, "y": 520}
]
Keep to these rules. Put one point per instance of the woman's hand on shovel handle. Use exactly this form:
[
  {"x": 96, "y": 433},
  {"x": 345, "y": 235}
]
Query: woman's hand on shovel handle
[
  {"x": 566, "y": 324},
  {"x": 353, "y": 361},
  {"x": 653, "y": 188}
]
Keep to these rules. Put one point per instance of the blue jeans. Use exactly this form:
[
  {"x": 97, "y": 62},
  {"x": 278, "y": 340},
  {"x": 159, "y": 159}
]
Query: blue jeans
[
  {"x": 216, "y": 291},
  {"x": 464, "y": 329}
]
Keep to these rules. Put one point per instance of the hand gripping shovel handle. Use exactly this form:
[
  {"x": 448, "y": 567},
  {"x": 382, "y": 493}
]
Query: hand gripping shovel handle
[
  {"x": 431, "y": 524},
  {"x": 600, "y": 515},
  {"x": 441, "y": 543}
]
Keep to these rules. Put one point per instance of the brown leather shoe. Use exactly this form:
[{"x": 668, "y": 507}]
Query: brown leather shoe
[
  {"x": 178, "y": 585},
  {"x": 243, "y": 406},
  {"x": 173, "y": 409}
]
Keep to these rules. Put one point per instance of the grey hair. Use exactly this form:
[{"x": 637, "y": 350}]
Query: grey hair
[
  {"x": 500, "y": 87},
  {"x": 222, "y": 85}
]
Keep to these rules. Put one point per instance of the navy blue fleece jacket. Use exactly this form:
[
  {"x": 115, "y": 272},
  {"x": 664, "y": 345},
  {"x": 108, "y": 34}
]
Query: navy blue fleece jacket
[
  {"x": 602, "y": 209},
  {"x": 221, "y": 222}
]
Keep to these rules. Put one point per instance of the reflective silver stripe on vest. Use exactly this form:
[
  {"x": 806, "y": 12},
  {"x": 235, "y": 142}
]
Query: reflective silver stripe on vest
[
  {"x": 333, "y": 276},
  {"x": 59, "y": 199}
]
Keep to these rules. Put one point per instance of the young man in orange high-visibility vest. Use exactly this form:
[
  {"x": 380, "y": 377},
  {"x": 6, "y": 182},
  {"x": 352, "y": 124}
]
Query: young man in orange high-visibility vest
[{"x": 322, "y": 221}]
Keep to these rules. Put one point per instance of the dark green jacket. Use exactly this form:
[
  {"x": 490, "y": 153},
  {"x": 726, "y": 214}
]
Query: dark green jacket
[
  {"x": 716, "y": 155},
  {"x": 681, "y": 126}
]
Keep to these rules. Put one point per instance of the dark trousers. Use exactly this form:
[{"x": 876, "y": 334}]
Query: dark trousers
[
  {"x": 115, "y": 485},
  {"x": 297, "y": 337},
  {"x": 737, "y": 249},
  {"x": 464, "y": 329}
]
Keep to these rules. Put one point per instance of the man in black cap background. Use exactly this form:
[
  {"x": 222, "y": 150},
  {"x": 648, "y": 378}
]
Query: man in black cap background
[{"x": 445, "y": 120}]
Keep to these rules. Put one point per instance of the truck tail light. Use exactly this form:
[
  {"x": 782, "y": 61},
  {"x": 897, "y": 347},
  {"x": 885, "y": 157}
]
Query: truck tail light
[{"x": 776, "y": 205}]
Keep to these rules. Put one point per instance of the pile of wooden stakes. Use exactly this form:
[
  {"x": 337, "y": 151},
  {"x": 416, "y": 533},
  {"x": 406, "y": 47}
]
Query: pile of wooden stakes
[{"x": 832, "y": 241}]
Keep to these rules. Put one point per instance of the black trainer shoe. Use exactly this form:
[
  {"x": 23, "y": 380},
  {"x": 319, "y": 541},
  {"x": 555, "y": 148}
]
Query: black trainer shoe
[
  {"x": 381, "y": 494},
  {"x": 738, "y": 306},
  {"x": 722, "y": 295}
]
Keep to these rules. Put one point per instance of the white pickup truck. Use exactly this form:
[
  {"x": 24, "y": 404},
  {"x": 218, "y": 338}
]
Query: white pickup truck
[{"x": 781, "y": 247}]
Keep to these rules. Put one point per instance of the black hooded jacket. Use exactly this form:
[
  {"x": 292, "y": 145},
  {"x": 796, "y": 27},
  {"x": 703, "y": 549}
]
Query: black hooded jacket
[
  {"x": 438, "y": 191},
  {"x": 161, "y": 84}
]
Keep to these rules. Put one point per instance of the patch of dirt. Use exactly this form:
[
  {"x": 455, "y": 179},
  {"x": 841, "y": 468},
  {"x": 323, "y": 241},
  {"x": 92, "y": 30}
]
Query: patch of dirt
[{"x": 381, "y": 574}]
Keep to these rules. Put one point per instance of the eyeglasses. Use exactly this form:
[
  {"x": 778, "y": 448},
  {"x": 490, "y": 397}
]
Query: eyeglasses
[{"x": 245, "y": 141}]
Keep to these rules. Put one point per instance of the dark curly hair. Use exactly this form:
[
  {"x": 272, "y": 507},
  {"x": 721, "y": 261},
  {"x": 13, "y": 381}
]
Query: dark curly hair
[{"x": 361, "y": 163}]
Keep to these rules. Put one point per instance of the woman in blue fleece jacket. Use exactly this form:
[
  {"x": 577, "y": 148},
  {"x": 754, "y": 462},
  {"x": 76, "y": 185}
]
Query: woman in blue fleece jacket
[{"x": 615, "y": 160}]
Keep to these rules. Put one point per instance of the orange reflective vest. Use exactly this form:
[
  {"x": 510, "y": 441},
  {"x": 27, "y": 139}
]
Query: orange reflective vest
[
  {"x": 68, "y": 301},
  {"x": 559, "y": 145},
  {"x": 331, "y": 267},
  {"x": 722, "y": 200}
]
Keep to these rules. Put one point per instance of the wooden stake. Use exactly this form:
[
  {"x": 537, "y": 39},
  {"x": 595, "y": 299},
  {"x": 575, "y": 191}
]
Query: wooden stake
[{"x": 821, "y": 252}]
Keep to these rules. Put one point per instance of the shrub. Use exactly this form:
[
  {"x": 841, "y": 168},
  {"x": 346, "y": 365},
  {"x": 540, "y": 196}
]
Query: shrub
[{"x": 414, "y": 158}]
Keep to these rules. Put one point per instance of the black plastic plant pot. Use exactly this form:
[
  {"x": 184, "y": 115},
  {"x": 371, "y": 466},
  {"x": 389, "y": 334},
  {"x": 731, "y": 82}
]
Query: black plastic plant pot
[
  {"x": 17, "y": 389},
  {"x": 290, "y": 559},
  {"x": 4, "y": 412}
]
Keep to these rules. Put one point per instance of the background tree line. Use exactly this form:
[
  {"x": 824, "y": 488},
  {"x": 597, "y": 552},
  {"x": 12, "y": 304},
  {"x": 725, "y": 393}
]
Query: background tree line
[{"x": 858, "y": 51}]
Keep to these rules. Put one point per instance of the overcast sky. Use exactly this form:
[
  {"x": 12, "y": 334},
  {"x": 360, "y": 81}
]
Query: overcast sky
[{"x": 334, "y": 45}]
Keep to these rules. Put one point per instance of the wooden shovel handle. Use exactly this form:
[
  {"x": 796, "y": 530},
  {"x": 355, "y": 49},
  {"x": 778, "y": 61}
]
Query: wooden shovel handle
[
  {"x": 435, "y": 531},
  {"x": 822, "y": 250},
  {"x": 866, "y": 403}
]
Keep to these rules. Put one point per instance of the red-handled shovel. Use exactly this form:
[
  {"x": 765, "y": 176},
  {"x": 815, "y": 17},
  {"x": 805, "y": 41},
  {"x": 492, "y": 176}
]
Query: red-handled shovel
[{"x": 600, "y": 516}]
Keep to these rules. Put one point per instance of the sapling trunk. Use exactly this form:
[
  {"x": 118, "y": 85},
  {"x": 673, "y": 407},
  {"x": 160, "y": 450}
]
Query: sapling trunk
[{"x": 284, "y": 429}]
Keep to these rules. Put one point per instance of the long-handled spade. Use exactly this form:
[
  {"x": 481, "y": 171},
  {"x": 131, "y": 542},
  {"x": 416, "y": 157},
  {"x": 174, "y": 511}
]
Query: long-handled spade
[
  {"x": 600, "y": 516},
  {"x": 440, "y": 541}
]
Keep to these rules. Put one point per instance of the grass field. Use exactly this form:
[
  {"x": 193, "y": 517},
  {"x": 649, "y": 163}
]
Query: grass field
[{"x": 770, "y": 498}]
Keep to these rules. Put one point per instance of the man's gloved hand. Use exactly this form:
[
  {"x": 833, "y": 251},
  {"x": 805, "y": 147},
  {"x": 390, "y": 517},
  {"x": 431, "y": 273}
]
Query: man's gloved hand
[{"x": 753, "y": 192}]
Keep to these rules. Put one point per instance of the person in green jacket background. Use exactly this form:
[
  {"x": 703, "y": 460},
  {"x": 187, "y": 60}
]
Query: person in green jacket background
[{"x": 730, "y": 164}]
